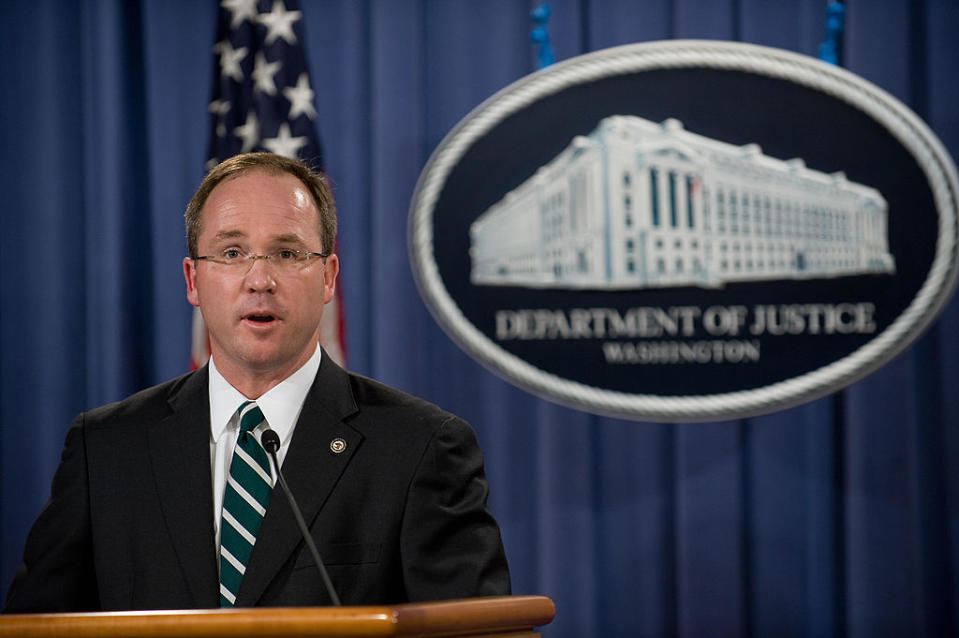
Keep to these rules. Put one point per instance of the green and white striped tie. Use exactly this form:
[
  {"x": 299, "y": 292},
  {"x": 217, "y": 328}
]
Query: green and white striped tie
[{"x": 247, "y": 495}]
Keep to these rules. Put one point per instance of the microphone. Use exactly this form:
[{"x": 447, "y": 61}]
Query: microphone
[{"x": 271, "y": 443}]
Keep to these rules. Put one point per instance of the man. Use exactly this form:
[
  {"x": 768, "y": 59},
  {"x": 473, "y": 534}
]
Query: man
[{"x": 153, "y": 507}]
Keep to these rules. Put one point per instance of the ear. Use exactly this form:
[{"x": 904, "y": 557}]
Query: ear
[
  {"x": 189, "y": 273},
  {"x": 329, "y": 278}
]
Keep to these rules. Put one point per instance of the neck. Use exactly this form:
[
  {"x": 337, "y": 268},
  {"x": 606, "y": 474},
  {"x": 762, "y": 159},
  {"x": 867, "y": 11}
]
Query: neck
[
  {"x": 254, "y": 387},
  {"x": 253, "y": 382}
]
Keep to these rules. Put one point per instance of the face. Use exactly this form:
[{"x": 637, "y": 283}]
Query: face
[{"x": 263, "y": 323}]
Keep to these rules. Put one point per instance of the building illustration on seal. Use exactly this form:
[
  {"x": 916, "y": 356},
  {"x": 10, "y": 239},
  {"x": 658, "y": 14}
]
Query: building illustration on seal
[{"x": 636, "y": 204}]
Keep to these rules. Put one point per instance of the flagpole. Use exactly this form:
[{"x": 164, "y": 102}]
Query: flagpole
[
  {"x": 831, "y": 49},
  {"x": 539, "y": 35}
]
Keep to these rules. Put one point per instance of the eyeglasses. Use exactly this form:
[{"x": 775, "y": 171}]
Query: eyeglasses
[{"x": 284, "y": 259}]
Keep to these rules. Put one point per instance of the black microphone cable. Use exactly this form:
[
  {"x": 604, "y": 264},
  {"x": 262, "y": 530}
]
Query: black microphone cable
[{"x": 271, "y": 443}]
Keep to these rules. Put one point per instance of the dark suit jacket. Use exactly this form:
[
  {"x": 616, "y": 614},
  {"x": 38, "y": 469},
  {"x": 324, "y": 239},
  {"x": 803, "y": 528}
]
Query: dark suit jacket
[{"x": 399, "y": 515}]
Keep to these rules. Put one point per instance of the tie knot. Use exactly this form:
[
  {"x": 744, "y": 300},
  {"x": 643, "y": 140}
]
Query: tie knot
[{"x": 250, "y": 416}]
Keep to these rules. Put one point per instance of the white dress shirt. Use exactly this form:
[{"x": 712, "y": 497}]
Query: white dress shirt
[{"x": 281, "y": 407}]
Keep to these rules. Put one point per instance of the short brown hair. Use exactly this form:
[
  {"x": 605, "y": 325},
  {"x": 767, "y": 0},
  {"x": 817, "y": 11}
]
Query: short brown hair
[{"x": 315, "y": 182}]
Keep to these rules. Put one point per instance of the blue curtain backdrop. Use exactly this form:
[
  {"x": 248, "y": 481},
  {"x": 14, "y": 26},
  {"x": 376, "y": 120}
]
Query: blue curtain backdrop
[{"x": 840, "y": 517}]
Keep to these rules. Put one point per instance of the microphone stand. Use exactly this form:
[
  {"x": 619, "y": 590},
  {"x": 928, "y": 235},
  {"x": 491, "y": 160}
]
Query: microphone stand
[{"x": 271, "y": 443}]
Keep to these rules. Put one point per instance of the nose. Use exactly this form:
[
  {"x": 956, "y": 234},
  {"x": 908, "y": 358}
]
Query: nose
[{"x": 259, "y": 278}]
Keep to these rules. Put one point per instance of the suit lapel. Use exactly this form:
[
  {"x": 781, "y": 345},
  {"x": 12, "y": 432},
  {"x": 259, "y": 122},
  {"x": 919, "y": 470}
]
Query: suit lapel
[
  {"x": 180, "y": 453},
  {"x": 311, "y": 468}
]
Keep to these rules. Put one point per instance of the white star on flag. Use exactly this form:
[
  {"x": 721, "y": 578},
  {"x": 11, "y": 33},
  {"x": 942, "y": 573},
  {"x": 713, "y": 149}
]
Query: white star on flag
[
  {"x": 284, "y": 144},
  {"x": 301, "y": 98},
  {"x": 263, "y": 73},
  {"x": 219, "y": 108},
  {"x": 279, "y": 23},
  {"x": 240, "y": 10},
  {"x": 230, "y": 59},
  {"x": 249, "y": 132}
]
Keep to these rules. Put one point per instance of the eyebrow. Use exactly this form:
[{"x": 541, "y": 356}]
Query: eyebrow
[
  {"x": 289, "y": 238},
  {"x": 229, "y": 234}
]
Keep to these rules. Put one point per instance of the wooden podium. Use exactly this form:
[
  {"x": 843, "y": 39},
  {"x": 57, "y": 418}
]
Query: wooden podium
[{"x": 500, "y": 616}]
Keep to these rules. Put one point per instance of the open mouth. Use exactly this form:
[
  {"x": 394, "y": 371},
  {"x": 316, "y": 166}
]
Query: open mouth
[{"x": 261, "y": 319}]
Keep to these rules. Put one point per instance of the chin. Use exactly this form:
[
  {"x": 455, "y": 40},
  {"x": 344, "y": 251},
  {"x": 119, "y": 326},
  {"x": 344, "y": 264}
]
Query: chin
[
  {"x": 258, "y": 356},
  {"x": 267, "y": 358},
  {"x": 265, "y": 361}
]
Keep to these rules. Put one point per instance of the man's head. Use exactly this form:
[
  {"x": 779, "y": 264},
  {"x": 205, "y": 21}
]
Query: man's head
[
  {"x": 314, "y": 182},
  {"x": 263, "y": 314}
]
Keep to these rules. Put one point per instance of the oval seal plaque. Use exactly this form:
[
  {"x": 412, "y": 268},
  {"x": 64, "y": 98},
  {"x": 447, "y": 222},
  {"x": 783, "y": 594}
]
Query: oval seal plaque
[{"x": 686, "y": 230}]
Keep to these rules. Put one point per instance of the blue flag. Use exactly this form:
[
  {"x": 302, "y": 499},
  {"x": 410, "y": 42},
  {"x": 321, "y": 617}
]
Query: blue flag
[
  {"x": 262, "y": 100},
  {"x": 262, "y": 97}
]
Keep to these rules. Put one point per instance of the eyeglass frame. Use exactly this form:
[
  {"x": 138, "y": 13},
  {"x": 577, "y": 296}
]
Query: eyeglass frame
[{"x": 251, "y": 257}]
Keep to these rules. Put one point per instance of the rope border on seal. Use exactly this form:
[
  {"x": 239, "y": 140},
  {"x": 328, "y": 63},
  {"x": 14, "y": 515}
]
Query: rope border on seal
[{"x": 883, "y": 108}]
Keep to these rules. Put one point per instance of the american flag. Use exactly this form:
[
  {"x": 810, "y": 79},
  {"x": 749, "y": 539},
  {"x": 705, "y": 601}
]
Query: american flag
[{"x": 263, "y": 101}]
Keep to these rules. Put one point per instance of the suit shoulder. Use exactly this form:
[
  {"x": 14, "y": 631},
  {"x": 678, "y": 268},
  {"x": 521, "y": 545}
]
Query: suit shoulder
[
  {"x": 384, "y": 403},
  {"x": 143, "y": 406}
]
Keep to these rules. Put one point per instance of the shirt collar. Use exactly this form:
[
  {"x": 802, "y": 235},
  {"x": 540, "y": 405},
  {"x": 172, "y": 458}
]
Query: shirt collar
[{"x": 280, "y": 405}]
